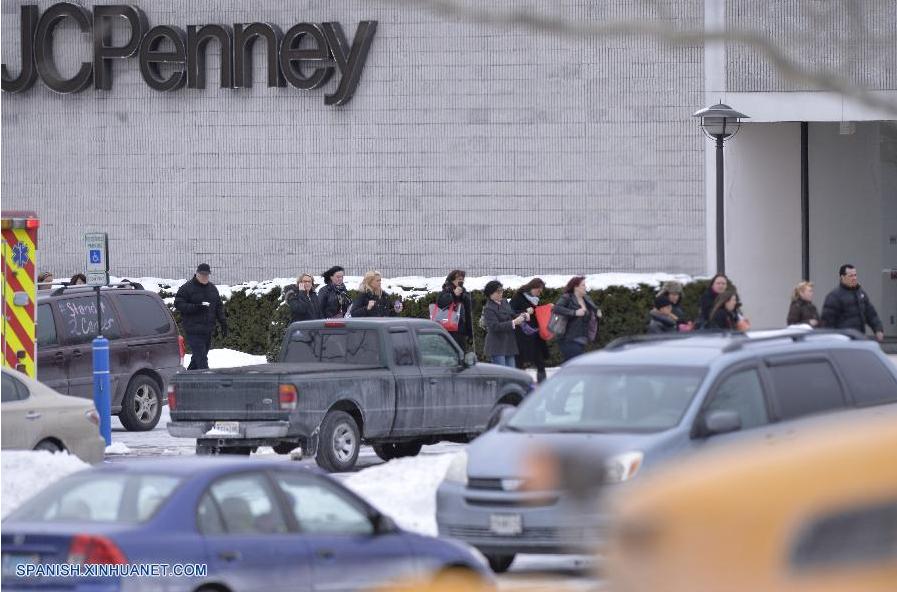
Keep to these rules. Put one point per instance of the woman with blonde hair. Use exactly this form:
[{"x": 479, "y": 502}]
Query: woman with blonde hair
[
  {"x": 372, "y": 301},
  {"x": 302, "y": 299},
  {"x": 802, "y": 310}
]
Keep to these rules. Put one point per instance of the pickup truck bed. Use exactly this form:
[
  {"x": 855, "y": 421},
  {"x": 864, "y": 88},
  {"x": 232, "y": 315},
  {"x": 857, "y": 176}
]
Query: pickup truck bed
[{"x": 394, "y": 383}]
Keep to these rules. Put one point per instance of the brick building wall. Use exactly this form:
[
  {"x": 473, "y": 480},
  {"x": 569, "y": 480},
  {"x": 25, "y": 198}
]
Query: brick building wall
[{"x": 465, "y": 145}]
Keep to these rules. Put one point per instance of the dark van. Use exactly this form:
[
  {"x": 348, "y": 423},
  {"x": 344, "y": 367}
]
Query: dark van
[{"x": 145, "y": 349}]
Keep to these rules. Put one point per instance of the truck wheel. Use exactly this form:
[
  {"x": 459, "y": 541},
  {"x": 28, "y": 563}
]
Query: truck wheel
[
  {"x": 339, "y": 442},
  {"x": 397, "y": 450},
  {"x": 499, "y": 563},
  {"x": 285, "y": 447},
  {"x": 141, "y": 407},
  {"x": 386, "y": 452}
]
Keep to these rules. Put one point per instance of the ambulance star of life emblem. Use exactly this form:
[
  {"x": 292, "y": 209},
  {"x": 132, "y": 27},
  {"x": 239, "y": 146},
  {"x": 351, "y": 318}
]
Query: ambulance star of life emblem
[{"x": 20, "y": 254}]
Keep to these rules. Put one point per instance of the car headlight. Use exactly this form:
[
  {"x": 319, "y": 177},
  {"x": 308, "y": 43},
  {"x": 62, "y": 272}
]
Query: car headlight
[
  {"x": 623, "y": 467},
  {"x": 457, "y": 470}
]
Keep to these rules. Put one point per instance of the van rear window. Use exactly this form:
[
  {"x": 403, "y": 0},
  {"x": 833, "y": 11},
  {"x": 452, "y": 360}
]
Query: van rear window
[{"x": 343, "y": 346}]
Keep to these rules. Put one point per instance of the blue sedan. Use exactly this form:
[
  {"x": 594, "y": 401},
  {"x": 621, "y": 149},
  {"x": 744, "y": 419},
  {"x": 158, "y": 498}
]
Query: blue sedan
[{"x": 248, "y": 524}]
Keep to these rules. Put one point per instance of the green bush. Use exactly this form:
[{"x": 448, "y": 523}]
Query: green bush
[{"x": 257, "y": 322}]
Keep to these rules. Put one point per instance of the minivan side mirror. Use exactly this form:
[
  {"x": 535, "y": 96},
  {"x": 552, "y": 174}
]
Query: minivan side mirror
[
  {"x": 721, "y": 422},
  {"x": 470, "y": 359}
]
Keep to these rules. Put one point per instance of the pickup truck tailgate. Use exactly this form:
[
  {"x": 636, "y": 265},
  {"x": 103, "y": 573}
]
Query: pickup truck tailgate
[{"x": 227, "y": 397}]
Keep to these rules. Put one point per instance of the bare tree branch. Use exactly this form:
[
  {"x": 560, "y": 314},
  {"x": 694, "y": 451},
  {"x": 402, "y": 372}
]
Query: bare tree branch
[{"x": 546, "y": 24}]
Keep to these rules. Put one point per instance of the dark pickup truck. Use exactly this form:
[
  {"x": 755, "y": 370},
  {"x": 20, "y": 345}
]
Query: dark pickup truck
[{"x": 394, "y": 383}]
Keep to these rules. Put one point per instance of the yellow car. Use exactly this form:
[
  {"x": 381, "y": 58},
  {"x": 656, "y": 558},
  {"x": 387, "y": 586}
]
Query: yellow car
[{"x": 815, "y": 510}]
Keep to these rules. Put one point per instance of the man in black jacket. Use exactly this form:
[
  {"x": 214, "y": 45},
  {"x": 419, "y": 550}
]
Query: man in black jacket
[
  {"x": 848, "y": 306},
  {"x": 200, "y": 306}
]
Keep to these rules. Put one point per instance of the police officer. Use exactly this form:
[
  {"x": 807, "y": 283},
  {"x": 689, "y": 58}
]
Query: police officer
[{"x": 200, "y": 306}]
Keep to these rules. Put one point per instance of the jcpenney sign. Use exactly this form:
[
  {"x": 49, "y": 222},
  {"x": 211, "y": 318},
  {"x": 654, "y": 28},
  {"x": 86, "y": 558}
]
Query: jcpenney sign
[{"x": 306, "y": 56}]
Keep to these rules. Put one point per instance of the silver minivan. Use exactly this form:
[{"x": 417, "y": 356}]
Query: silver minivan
[{"x": 636, "y": 404}]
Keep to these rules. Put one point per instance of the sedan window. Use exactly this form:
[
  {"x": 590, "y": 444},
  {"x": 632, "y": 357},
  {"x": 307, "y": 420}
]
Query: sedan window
[
  {"x": 11, "y": 390},
  {"x": 247, "y": 505},
  {"x": 90, "y": 496},
  {"x": 320, "y": 509}
]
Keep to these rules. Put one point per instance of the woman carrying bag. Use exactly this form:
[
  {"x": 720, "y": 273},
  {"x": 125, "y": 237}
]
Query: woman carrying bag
[
  {"x": 501, "y": 324},
  {"x": 532, "y": 349},
  {"x": 454, "y": 293},
  {"x": 581, "y": 315}
]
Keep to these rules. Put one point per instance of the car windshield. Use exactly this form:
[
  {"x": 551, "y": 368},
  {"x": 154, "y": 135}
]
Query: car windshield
[
  {"x": 346, "y": 346},
  {"x": 91, "y": 496},
  {"x": 609, "y": 399}
]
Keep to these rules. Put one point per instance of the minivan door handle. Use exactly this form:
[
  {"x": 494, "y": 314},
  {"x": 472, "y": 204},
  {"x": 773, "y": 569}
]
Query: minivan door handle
[{"x": 76, "y": 353}]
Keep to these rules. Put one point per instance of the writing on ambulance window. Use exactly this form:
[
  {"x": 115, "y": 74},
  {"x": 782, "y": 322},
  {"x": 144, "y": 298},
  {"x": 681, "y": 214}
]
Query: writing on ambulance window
[{"x": 79, "y": 319}]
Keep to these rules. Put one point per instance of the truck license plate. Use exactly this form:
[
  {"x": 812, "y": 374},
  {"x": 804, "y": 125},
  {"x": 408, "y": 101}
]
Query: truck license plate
[
  {"x": 227, "y": 428},
  {"x": 506, "y": 524}
]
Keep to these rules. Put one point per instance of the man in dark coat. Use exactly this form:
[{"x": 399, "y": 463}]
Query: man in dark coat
[
  {"x": 333, "y": 297},
  {"x": 302, "y": 300},
  {"x": 454, "y": 291},
  {"x": 200, "y": 306},
  {"x": 848, "y": 306}
]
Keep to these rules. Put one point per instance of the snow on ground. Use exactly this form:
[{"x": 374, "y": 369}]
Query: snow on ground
[
  {"x": 416, "y": 286},
  {"x": 229, "y": 358},
  {"x": 404, "y": 489},
  {"x": 25, "y": 472},
  {"x": 118, "y": 448}
]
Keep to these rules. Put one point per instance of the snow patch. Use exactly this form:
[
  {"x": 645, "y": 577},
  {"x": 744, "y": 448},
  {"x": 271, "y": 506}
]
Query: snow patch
[
  {"x": 118, "y": 448},
  {"x": 413, "y": 287},
  {"x": 26, "y": 472},
  {"x": 229, "y": 358},
  {"x": 405, "y": 489}
]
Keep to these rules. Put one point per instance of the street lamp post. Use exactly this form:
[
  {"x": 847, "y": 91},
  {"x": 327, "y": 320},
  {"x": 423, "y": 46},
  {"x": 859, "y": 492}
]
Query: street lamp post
[{"x": 720, "y": 122}]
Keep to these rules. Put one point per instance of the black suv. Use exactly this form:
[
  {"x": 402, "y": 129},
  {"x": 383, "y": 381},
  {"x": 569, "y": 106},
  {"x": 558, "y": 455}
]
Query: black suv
[{"x": 145, "y": 349}]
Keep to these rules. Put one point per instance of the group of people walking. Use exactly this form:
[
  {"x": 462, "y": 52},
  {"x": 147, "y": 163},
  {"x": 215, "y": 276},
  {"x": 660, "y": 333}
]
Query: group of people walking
[{"x": 518, "y": 330}]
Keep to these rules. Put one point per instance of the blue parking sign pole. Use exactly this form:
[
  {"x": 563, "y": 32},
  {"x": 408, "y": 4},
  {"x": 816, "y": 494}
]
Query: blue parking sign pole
[{"x": 102, "y": 398}]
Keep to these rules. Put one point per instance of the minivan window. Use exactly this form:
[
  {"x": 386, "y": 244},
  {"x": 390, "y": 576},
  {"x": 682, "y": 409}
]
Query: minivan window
[
  {"x": 803, "y": 388},
  {"x": 144, "y": 314},
  {"x": 742, "y": 393},
  {"x": 870, "y": 382},
  {"x": 609, "y": 399},
  {"x": 46, "y": 326},
  {"x": 346, "y": 346},
  {"x": 79, "y": 318}
]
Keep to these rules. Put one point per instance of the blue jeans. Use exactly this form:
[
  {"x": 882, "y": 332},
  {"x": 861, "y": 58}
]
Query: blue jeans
[
  {"x": 570, "y": 349},
  {"x": 504, "y": 361}
]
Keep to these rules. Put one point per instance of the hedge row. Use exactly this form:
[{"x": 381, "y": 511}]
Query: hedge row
[{"x": 257, "y": 322}]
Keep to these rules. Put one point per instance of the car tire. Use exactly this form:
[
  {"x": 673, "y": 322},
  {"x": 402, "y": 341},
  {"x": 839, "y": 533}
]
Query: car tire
[
  {"x": 499, "y": 563},
  {"x": 397, "y": 450},
  {"x": 339, "y": 442},
  {"x": 141, "y": 406},
  {"x": 49, "y": 446},
  {"x": 496, "y": 415}
]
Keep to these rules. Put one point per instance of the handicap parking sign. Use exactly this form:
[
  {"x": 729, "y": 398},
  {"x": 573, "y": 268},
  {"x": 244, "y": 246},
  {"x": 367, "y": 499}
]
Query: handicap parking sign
[
  {"x": 97, "y": 247},
  {"x": 96, "y": 256}
]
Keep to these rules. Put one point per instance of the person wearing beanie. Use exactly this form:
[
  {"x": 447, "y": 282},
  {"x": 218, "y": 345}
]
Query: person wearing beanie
[
  {"x": 200, "y": 306},
  {"x": 333, "y": 296},
  {"x": 501, "y": 324},
  {"x": 661, "y": 318}
]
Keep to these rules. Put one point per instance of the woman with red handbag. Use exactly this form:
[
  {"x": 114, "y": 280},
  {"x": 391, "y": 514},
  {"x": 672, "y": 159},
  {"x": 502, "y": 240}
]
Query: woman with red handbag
[
  {"x": 532, "y": 349},
  {"x": 453, "y": 292}
]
